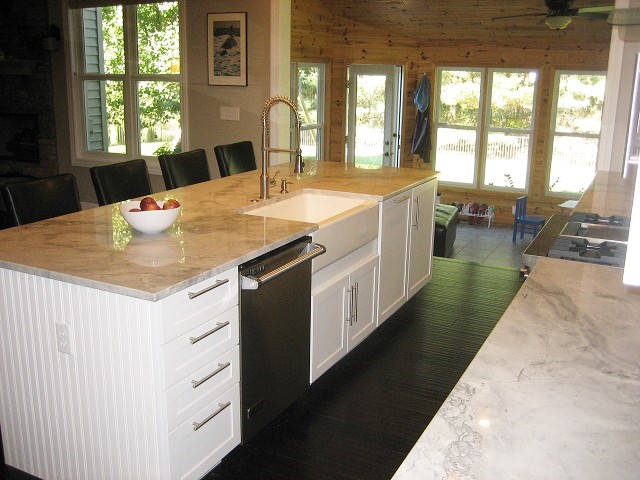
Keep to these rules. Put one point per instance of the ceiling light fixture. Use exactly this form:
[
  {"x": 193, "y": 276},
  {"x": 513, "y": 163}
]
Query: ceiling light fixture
[{"x": 557, "y": 22}]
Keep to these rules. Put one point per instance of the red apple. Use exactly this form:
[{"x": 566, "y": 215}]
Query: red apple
[
  {"x": 135, "y": 210},
  {"x": 151, "y": 206},
  {"x": 171, "y": 203},
  {"x": 146, "y": 202}
]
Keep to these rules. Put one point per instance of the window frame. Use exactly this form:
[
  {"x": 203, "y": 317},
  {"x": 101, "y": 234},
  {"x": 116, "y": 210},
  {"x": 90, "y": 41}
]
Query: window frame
[
  {"x": 483, "y": 127},
  {"x": 319, "y": 126},
  {"x": 553, "y": 133},
  {"x": 81, "y": 155}
]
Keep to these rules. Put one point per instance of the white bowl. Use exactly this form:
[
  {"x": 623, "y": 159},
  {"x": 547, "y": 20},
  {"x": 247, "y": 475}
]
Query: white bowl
[{"x": 149, "y": 221}]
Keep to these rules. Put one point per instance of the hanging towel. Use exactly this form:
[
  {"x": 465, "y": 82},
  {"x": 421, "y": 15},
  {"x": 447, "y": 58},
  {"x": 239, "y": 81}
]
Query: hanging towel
[{"x": 421, "y": 143}]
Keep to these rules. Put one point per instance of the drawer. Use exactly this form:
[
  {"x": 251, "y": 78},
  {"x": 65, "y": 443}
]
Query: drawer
[
  {"x": 199, "y": 346},
  {"x": 198, "y": 389},
  {"x": 190, "y": 307},
  {"x": 193, "y": 452}
]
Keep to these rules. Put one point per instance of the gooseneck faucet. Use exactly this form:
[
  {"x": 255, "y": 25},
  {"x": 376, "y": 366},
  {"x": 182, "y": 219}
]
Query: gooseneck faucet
[{"x": 266, "y": 143}]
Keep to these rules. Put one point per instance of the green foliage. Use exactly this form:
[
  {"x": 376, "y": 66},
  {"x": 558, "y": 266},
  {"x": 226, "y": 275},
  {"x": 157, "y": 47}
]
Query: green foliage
[{"x": 158, "y": 53}]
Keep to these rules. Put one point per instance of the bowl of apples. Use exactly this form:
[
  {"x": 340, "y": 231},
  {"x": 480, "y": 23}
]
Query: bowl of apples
[{"x": 149, "y": 215}]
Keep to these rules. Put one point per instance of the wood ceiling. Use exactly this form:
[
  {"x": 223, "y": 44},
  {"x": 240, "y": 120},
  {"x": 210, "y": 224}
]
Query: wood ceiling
[{"x": 439, "y": 22}]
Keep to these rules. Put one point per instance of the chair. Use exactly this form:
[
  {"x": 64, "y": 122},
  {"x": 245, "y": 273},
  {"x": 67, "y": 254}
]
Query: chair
[
  {"x": 235, "y": 158},
  {"x": 525, "y": 221},
  {"x": 121, "y": 181},
  {"x": 42, "y": 198},
  {"x": 182, "y": 169}
]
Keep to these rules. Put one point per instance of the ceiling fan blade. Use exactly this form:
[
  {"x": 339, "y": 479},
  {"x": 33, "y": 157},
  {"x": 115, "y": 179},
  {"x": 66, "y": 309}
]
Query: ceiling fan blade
[
  {"x": 595, "y": 12},
  {"x": 521, "y": 16},
  {"x": 624, "y": 16}
]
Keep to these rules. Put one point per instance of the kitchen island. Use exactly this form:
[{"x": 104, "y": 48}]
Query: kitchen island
[
  {"x": 554, "y": 392},
  {"x": 120, "y": 351}
]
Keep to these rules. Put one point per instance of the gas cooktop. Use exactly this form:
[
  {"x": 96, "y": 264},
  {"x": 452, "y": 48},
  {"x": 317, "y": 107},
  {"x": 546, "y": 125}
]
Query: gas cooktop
[{"x": 603, "y": 252}]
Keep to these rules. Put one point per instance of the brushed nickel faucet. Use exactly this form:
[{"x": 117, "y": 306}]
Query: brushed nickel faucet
[{"x": 266, "y": 143}]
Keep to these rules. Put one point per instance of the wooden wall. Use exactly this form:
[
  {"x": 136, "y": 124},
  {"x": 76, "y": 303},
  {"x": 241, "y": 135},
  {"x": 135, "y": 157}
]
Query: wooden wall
[{"x": 317, "y": 35}]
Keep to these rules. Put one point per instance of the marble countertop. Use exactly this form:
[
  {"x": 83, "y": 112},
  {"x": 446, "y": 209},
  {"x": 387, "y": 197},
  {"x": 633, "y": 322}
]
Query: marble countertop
[
  {"x": 554, "y": 392},
  {"x": 96, "y": 247}
]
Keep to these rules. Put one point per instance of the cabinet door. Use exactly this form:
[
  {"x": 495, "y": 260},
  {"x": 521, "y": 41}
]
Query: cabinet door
[
  {"x": 421, "y": 235},
  {"x": 328, "y": 325},
  {"x": 394, "y": 240},
  {"x": 362, "y": 318}
]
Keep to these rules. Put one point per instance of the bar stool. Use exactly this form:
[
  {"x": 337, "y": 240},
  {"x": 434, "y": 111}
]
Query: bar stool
[
  {"x": 121, "y": 181},
  {"x": 235, "y": 158},
  {"x": 42, "y": 198},
  {"x": 182, "y": 169}
]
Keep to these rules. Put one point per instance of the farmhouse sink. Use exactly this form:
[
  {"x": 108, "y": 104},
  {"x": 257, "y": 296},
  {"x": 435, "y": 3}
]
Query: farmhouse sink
[
  {"x": 309, "y": 207},
  {"x": 344, "y": 223}
]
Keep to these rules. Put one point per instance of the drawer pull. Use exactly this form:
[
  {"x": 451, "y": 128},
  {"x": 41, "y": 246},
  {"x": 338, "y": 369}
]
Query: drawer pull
[
  {"x": 206, "y": 334},
  {"x": 222, "y": 366},
  {"x": 205, "y": 290},
  {"x": 222, "y": 406},
  {"x": 400, "y": 200}
]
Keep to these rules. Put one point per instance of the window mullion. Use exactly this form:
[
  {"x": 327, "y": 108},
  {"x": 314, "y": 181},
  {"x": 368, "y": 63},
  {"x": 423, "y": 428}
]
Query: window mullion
[
  {"x": 484, "y": 121},
  {"x": 130, "y": 85}
]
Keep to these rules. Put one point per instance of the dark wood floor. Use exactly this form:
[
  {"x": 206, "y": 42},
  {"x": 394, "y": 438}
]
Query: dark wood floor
[{"x": 361, "y": 418}]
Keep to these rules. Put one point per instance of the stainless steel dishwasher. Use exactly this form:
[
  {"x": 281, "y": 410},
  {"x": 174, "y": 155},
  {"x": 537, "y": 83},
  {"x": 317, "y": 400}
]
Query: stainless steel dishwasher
[{"x": 275, "y": 319}]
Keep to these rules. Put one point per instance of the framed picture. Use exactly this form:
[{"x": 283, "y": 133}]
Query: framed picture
[{"x": 227, "y": 48}]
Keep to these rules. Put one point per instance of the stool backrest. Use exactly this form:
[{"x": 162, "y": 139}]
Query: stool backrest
[
  {"x": 42, "y": 198},
  {"x": 521, "y": 207},
  {"x": 121, "y": 181},
  {"x": 235, "y": 158},
  {"x": 182, "y": 169}
]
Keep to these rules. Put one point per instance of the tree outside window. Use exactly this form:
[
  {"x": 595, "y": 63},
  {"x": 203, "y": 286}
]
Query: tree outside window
[
  {"x": 307, "y": 89},
  {"x": 484, "y": 124},
  {"x": 129, "y": 76},
  {"x": 575, "y": 132}
]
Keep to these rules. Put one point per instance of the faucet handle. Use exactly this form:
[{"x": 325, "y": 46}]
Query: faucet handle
[{"x": 272, "y": 180}]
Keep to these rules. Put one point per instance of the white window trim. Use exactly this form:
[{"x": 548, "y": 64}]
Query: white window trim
[
  {"x": 81, "y": 157},
  {"x": 320, "y": 126},
  {"x": 553, "y": 133}
]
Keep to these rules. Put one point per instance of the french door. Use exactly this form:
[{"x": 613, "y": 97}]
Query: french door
[{"x": 373, "y": 115}]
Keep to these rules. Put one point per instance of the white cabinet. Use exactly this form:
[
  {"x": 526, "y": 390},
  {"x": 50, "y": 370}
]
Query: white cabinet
[
  {"x": 423, "y": 200},
  {"x": 343, "y": 307},
  {"x": 406, "y": 246},
  {"x": 151, "y": 388}
]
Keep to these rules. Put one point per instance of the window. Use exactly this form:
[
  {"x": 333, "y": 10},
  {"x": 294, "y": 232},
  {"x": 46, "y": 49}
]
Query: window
[
  {"x": 575, "y": 130},
  {"x": 307, "y": 90},
  {"x": 127, "y": 81},
  {"x": 484, "y": 125}
]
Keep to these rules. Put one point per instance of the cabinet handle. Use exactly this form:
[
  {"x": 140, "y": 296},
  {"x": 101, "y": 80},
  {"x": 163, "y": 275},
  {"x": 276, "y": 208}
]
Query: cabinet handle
[
  {"x": 400, "y": 200},
  {"x": 205, "y": 335},
  {"x": 222, "y": 406},
  {"x": 205, "y": 290},
  {"x": 355, "y": 287},
  {"x": 222, "y": 366},
  {"x": 350, "y": 317},
  {"x": 417, "y": 224}
]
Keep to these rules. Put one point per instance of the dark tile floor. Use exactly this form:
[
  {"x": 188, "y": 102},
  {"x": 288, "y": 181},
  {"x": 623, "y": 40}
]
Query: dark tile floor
[{"x": 489, "y": 246}]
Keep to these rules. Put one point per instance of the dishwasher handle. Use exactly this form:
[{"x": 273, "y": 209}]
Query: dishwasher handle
[{"x": 252, "y": 283}]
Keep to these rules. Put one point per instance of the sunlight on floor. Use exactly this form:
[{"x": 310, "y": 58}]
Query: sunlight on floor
[{"x": 489, "y": 246}]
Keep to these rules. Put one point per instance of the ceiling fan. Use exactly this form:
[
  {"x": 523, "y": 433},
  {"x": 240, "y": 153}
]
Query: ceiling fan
[{"x": 559, "y": 14}]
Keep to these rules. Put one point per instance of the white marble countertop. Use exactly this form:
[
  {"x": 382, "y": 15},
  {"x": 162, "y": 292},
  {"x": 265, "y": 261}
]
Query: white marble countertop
[
  {"x": 554, "y": 393},
  {"x": 96, "y": 248}
]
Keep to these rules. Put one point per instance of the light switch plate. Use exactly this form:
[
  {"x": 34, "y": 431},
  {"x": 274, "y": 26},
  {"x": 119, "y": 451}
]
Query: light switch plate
[
  {"x": 63, "y": 338},
  {"x": 230, "y": 113}
]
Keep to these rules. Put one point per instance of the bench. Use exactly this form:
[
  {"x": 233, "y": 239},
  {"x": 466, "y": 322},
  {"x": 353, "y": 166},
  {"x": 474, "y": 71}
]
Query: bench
[{"x": 446, "y": 221}]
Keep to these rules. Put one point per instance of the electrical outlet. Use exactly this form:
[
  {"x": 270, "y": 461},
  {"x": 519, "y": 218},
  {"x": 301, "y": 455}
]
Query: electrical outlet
[
  {"x": 230, "y": 113},
  {"x": 63, "y": 339}
]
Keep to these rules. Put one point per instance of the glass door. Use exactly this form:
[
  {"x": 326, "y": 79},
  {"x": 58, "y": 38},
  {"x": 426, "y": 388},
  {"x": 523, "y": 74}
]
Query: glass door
[{"x": 373, "y": 115}]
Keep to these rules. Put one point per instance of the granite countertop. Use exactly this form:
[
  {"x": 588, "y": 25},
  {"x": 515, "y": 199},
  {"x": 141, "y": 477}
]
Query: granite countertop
[
  {"x": 96, "y": 248},
  {"x": 554, "y": 392}
]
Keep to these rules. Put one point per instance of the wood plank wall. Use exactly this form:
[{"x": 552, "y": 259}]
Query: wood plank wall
[{"x": 317, "y": 35}]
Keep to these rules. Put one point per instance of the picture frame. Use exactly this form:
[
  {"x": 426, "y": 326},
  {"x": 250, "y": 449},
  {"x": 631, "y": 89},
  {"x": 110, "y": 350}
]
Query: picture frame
[{"x": 227, "y": 48}]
